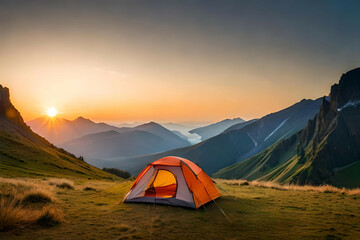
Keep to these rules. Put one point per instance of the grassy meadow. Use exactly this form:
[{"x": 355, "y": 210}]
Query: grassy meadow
[{"x": 92, "y": 209}]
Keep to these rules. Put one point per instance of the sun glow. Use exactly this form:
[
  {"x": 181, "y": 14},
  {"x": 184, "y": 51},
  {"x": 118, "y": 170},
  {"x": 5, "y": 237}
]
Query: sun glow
[{"x": 51, "y": 112}]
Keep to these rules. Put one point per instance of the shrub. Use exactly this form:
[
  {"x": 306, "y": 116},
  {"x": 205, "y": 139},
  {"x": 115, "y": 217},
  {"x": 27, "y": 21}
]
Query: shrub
[{"x": 118, "y": 172}]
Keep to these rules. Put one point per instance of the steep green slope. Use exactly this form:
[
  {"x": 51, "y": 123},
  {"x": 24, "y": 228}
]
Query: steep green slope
[
  {"x": 327, "y": 151},
  {"x": 262, "y": 163},
  {"x": 24, "y": 153}
]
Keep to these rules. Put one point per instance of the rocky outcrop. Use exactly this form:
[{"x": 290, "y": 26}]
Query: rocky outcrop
[
  {"x": 335, "y": 132},
  {"x": 7, "y": 110}
]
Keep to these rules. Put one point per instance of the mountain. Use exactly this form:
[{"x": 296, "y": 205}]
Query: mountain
[
  {"x": 112, "y": 144},
  {"x": 214, "y": 129},
  {"x": 326, "y": 151},
  {"x": 59, "y": 130},
  {"x": 173, "y": 139},
  {"x": 24, "y": 153},
  {"x": 236, "y": 145}
]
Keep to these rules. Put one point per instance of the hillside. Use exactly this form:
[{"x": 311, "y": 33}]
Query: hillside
[
  {"x": 256, "y": 212},
  {"x": 326, "y": 151},
  {"x": 233, "y": 146},
  {"x": 240, "y": 125},
  {"x": 214, "y": 129},
  {"x": 24, "y": 153}
]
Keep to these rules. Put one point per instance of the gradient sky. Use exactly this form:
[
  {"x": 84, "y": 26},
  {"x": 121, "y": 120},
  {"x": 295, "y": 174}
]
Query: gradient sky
[{"x": 173, "y": 60}]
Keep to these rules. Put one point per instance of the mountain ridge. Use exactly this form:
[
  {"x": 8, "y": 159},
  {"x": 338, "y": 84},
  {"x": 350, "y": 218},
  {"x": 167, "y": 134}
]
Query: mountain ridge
[
  {"x": 326, "y": 151},
  {"x": 230, "y": 147}
]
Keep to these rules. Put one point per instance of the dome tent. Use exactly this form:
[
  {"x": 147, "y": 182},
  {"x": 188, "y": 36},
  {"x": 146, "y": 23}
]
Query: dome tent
[{"x": 173, "y": 181}]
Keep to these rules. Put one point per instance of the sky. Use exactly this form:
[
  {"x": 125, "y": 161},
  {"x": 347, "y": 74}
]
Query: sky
[{"x": 173, "y": 61}]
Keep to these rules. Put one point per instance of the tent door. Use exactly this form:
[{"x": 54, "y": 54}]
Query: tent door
[{"x": 164, "y": 185}]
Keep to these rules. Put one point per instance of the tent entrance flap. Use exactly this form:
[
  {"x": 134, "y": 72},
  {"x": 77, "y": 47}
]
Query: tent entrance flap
[{"x": 164, "y": 185}]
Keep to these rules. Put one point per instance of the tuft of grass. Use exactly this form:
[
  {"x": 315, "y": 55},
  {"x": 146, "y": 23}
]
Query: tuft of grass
[
  {"x": 62, "y": 183},
  {"x": 16, "y": 203},
  {"x": 50, "y": 216},
  {"x": 12, "y": 215},
  {"x": 39, "y": 196}
]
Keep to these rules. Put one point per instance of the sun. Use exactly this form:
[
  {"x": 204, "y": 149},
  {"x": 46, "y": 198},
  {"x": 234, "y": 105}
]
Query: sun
[{"x": 51, "y": 112}]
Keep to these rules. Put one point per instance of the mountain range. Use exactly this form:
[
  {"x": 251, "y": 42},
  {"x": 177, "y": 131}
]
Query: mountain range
[
  {"x": 234, "y": 145},
  {"x": 144, "y": 139},
  {"x": 311, "y": 142},
  {"x": 24, "y": 153},
  {"x": 326, "y": 151}
]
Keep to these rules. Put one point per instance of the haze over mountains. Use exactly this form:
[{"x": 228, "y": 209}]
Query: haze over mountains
[
  {"x": 144, "y": 139},
  {"x": 236, "y": 145},
  {"x": 185, "y": 129},
  {"x": 326, "y": 151},
  {"x": 24, "y": 153}
]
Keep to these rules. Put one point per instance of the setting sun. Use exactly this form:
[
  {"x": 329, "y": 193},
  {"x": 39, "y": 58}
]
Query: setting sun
[{"x": 51, "y": 112}]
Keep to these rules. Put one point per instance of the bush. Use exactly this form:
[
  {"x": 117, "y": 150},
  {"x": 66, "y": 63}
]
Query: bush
[{"x": 118, "y": 172}]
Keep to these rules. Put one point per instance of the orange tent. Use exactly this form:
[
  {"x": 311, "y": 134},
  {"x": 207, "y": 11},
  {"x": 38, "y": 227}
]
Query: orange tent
[{"x": 173, "y": 181}]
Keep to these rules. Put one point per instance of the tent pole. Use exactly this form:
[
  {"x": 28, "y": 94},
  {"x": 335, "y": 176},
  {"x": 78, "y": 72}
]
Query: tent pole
[
  {"x": 223, "y": 212},
  {"x": 215, "y": 202}
]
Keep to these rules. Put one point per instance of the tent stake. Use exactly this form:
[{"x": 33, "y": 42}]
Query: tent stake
[{"x": 223, "y": 212}]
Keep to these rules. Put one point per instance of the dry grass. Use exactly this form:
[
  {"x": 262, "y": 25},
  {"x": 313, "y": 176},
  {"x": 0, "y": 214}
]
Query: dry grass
[
  {"x": 24, "y": 202},
  {"x": 50, "y": 216},
  {"x": 12, "y": 215},
  {"x": 37, "y": 196},
  {"x": 322, "y": 189},
  {"x": 62, "y": 183}
]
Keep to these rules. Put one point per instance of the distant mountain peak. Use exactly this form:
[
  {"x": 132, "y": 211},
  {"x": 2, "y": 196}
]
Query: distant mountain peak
[
  {"x": 150, "y": 124},
  {"x": 81, "y": 119},
  {"x": 347, "y": 90}
]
